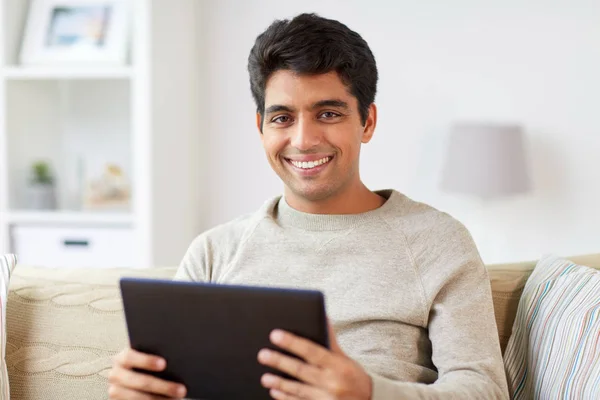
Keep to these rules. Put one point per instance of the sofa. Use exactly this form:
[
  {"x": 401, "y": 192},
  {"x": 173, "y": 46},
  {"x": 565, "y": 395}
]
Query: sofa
[{"x": 65, "y": 325}]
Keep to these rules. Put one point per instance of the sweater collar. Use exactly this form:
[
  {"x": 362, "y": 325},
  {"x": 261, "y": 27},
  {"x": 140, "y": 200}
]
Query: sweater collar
[{"x": 287, "y": 216}]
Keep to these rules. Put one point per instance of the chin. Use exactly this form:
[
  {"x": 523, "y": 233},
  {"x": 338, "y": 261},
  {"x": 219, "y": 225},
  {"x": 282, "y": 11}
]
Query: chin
[{"x": 312, "y": 192}]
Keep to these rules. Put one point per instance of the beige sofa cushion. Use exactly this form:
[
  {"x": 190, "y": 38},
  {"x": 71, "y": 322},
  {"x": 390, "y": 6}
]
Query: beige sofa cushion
[
  {"x": 64, "y": 326},
  {"x": 508, "y": 281}
]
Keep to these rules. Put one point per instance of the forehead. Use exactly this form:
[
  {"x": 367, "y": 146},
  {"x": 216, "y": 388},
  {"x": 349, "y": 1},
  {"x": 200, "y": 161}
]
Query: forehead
[{"x": 285, "y": 87}]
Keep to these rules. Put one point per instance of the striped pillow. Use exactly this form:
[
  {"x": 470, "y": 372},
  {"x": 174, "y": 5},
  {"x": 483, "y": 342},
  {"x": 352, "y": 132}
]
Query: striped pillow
[
  {"x": 554, "y": 349},
  {"x": 7, "y": 264}
]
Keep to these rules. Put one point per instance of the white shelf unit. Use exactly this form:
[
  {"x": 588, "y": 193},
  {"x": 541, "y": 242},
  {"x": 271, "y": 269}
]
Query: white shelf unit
[
  {"x": 143, "y": 116},
  {"x": 69, "y": 217},
  {"x": 71, "y": 73}
]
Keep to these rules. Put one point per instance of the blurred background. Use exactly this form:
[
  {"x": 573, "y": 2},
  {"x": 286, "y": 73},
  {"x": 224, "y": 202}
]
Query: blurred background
[{"x": 127, "y": 128}]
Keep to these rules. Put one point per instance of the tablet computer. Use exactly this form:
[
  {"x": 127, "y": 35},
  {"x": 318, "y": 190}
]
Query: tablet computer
[{"x": 210, "y": 334}]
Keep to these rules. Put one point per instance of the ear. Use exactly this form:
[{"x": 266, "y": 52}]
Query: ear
[
  {"x": 259, "y": 124},
  {"x": 370, "y": 124}
]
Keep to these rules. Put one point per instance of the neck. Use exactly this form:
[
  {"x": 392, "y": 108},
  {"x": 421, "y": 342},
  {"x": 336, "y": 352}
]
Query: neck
[{"x": 353, "y": 200}]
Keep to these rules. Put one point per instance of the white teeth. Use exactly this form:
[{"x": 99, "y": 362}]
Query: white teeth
[{"x": 310, "y": 164}]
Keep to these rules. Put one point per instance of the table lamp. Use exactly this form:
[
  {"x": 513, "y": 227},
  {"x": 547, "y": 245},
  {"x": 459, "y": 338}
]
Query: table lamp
[{"x": 486, "y": 162}]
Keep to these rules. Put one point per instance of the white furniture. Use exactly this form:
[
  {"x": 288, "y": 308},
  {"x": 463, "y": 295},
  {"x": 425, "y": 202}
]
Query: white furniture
[{"x": 143, "y": 116}]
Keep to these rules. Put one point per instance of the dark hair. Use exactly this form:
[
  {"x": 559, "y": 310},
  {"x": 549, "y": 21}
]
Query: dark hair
[{"x": 310, "y": 44}]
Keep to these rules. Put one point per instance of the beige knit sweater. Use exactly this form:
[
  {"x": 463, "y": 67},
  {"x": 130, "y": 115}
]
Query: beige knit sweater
[{"x": 405, "y": 288}]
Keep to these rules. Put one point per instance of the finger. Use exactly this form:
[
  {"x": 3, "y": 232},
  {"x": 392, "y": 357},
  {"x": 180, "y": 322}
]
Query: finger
[
  {"x": 121, "y": 393},
  {"x": 292, "y": 366},
  {"x": 126, "y": 378},
  {"x": 276, "y": 394},
  {"x": 130, "y": 358},
  {"x": 309, "y": 351},
  {"x": 296, "y": 390},
  {"x": 333, "y": 344}
]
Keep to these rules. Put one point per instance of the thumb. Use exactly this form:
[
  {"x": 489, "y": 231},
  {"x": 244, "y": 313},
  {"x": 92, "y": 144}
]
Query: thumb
[{"x": 333, "y": 344}]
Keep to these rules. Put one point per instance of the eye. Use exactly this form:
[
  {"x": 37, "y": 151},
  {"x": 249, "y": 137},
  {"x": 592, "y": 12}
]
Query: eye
[
  {"x": 329, "y": 115},
  {"x": 282, "y": 119}
]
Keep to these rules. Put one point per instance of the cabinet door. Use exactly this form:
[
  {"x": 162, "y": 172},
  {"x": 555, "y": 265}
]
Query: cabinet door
[{"x": 73, "y": 247}]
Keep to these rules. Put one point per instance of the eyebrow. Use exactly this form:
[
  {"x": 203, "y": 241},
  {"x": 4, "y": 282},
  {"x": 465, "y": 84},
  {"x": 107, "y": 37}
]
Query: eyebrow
[
  {"x": 277, "y": 108},
  {"x": 331, "y": 103},
  {"x": 323, "y": 103}
]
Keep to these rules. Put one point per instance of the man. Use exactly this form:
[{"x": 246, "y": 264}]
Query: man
[{"x": 407, "y": 294}]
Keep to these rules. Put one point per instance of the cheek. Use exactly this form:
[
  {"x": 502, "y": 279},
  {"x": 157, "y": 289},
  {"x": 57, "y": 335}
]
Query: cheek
[
  {"x": 349, "y": 142},
  {"x": 273, "y": 146}
]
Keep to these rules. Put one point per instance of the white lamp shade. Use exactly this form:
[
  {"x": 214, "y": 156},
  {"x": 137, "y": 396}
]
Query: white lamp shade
[{"x": 486, "y": 160}]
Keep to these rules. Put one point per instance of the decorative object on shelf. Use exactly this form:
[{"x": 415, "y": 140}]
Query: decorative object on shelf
[
  {"x": 109, "y": 191},
  {"x": 76, "y": 32},
  {"x": 41, "y": 194}
]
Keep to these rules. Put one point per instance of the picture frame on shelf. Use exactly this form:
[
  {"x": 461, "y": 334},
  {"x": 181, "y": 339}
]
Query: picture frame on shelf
[{"x": 76, "y": 32}]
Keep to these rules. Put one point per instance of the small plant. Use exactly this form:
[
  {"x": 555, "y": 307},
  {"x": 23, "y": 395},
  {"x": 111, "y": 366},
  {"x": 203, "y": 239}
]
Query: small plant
[{"x": 41, "y": 173}]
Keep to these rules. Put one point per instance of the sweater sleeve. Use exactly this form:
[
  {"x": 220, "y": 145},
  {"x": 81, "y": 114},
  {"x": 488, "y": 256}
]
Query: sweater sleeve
[
  {"x": 211, "y": 252},
  {"x": 460, "y": 321},
  {"x": 195, "y": 265}
]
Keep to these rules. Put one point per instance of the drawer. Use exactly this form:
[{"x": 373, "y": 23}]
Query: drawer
[{"x": 73, "y": 247}]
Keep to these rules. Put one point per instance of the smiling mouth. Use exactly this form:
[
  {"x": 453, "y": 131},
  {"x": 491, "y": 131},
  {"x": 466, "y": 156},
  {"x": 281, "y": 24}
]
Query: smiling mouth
[{"x": 310, "y": 164}]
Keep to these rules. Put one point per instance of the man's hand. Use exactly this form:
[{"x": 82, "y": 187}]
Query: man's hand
[
  {"x": 126, "y": 384},
  {"x": 324, "y": 374}
]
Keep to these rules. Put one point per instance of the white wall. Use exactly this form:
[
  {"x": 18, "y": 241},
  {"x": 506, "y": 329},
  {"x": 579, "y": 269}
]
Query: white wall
[
  {"x": 178, "y": 156},
  {"x": 532, "y": 62}
]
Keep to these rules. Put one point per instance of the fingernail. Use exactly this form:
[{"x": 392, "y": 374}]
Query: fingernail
[
  {"x": 161, "y": 363},
  {"x": 263, "y": 355},
  {"x": 277, "y": 335},
  {"x": 181, "y": 391},
  {"x": 268, "y": 379}
]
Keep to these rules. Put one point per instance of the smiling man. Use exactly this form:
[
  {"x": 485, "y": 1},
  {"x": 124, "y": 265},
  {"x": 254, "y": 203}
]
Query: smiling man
[
  {"x": 311, "y": 129},
  {"x": 408, "y": 296}
]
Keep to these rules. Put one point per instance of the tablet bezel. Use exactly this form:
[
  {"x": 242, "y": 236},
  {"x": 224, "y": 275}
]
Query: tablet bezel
[{"x": 169, "y": 309}]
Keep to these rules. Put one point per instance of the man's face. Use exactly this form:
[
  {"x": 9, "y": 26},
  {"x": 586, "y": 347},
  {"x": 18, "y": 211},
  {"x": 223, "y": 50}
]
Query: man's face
[{"x": 312, "y": 133}]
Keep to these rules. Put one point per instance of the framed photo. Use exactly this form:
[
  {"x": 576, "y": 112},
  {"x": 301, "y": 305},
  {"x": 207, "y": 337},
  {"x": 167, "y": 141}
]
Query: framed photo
[{"x": 92, "y": 32}]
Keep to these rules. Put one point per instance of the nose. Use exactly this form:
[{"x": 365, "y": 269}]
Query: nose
[{"x": 305, "y": 134}]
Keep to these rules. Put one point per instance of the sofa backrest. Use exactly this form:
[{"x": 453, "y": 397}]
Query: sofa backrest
[{"x": 64, "y": 326}]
